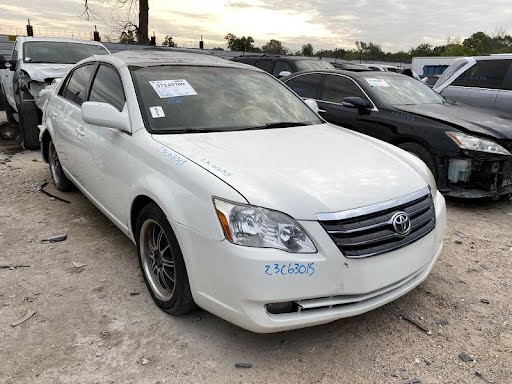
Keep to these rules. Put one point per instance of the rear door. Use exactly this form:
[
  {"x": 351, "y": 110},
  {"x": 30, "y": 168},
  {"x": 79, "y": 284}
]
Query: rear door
[
  {"x": 504, "y": 99},
  {"x": 333, "y": 90},
  {"x": 66, "y": 117},
  {"x": 306, "y": 86},
  {"x": 479, "y": 85}
]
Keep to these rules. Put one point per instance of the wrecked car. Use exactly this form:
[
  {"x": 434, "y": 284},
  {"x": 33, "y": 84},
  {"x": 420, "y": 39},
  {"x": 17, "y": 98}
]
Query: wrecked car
[
  {"x": 468, "y": 149},
  {"x": 238, "y": 196},
  {"x": 34, "y": 64}
]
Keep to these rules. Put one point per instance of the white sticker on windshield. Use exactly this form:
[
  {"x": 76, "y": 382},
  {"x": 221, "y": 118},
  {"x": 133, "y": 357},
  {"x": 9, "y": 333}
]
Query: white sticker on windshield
[
  {"x": 172, "y": 88},
  {"x": 157, "y": 112},
  {"x": 377, "y": 82}
]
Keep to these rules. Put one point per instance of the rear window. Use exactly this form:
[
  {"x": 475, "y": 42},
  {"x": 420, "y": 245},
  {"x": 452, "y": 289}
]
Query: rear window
[
  {"x": 57, "y": 52},
  {"x": 313, "y": 65},
  {"x": 179, "y": 98}
]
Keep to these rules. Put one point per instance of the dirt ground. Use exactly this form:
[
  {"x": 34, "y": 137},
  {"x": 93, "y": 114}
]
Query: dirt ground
[{"x": 98, "y": 324}]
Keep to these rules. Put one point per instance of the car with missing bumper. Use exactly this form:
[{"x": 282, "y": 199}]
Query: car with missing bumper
[
  {"x": 468, "y": 149},
  {"x": 240, "y": 199},
  {"x": 34, "y": 64}
]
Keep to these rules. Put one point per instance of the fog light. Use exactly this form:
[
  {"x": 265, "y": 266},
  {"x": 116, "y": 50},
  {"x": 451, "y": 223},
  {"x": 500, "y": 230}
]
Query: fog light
[
  {"x": 459, "y": 170},
  {"x": 277, "y": 308}
]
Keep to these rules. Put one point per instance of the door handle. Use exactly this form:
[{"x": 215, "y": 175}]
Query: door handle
[
  {"x": 80, "y": 131},
  {"x": 322, "y": 111}
]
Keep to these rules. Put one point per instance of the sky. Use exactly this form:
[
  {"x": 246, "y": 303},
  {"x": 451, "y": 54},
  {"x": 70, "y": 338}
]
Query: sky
[{"x": 326, "y": 24}]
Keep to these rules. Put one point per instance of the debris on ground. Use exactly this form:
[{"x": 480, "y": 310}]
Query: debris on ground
[
  {"x": 461, "y": 234},
  {"x": 481, "y": 375},
  {"x": 143, "y": 361},
  {"x": 134, "y": 293},
  {"x": 413, "y": 381},
  {"x": 55, "y": 239},
  {"x": 465, "y": 357},
  {"x": 485, "y": 301},
  {"x": 442, "y": 322},
  {"x": 13, "y": 266},
  {"x": 243, "y": 365},
  {"x": 29, "y": 314},
  {"x": 41, "y": 189},
  {"x": 411, "y": 320},
  {"x": 77, "y": 264}
]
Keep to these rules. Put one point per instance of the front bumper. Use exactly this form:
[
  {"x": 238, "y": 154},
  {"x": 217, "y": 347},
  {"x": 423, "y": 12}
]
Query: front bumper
[{"x": 237, "y": 283}]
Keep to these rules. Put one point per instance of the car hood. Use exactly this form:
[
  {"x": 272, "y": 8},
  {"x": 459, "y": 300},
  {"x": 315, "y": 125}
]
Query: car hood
[
  {"x": 302, "y": 170},
  {"x": 41, "y": 72},
  {"x": 469, "y": 118}
]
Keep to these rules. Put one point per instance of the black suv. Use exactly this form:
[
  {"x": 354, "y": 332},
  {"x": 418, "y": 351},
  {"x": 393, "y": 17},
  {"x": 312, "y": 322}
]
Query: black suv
[{"x": 276, "y": 65}]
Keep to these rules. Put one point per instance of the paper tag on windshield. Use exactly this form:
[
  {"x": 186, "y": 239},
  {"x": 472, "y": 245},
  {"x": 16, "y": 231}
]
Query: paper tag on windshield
[
  {"x": 377, "y": 82},
  {"x": 172, "y": 88},
  {"x": 156, "y": 112}
]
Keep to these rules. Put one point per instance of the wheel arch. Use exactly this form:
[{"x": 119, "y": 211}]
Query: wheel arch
[
  {"x": 137, "y": 205},
  {"x": 45, "y": 143}
]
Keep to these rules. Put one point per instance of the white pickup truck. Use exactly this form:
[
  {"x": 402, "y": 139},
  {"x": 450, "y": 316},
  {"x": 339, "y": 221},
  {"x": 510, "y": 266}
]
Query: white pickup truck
[{"x": 34, "y": 64}]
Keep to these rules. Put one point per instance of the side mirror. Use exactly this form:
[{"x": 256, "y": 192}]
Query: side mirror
[
  {"x": 105, "y": 115},
  {"x": 356, "y": 102},
  {"x": 284, "y": 74},
  {"x": 312, "y": 104}
]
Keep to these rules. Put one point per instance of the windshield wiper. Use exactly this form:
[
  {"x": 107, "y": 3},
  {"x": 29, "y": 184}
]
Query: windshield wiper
[
  {"x": 281, "y": 124},
  {"x": 192, "y": 130}
]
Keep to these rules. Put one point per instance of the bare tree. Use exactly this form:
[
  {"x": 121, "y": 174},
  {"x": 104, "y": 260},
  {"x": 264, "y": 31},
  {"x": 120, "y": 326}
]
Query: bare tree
[{"x": 135, "y": 9}]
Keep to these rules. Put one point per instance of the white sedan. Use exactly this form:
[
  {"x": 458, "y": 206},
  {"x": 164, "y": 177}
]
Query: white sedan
[{"x": 239, "y": 197}]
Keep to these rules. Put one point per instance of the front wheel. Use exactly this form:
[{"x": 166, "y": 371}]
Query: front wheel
[
  {"x": 162, "y": 263},
  {"x": 61, "y": 181}
]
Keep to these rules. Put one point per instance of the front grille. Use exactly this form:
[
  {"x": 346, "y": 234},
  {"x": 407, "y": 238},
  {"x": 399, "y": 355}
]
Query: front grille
[{"x": 371, "y": 234}]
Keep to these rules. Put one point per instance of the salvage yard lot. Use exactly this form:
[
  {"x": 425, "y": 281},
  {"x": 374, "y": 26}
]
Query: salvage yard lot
[{"x": 98, "y": 323}]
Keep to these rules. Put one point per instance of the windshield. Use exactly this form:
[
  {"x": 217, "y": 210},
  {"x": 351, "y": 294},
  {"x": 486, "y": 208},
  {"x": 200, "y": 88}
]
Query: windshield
[
  {"x": 59, "y": 52},
  {"x": 401, "y": 90},
  {"x": 181, "y": 98},
  {"x": 313, "y": 65}
]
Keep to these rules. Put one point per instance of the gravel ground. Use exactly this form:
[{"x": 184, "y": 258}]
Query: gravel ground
[{"x": 97, "y": 323}]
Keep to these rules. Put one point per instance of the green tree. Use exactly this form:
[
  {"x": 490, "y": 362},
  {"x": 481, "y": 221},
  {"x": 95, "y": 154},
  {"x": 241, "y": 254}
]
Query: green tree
[
  {"x": 307, "y": 49},
  {"x": 274, "y": 47},
  {"x": 424, "y": 49},
  {"x": 168, "y": 42},
  {"x": 243, "y": 44},
  {"x": 479, "y": 43}
]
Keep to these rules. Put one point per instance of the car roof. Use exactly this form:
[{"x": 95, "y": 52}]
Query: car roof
[
  {"x": 26, "y": 39},
  {"x": 293, "y": 58},
  {"x": 502, "y": 56},
  {"x": 156, "y": 57},
  {"x": 347, "y": 73}
]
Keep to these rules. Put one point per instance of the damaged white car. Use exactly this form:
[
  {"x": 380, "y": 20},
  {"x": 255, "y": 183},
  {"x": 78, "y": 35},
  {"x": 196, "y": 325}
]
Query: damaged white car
[
  {"x": 238, "y": 196},
  {"x": 34, "y": 64}
]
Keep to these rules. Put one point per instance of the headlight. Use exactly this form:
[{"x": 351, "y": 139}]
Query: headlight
[
  {"x": 252, "y": 226},
  {"x": 473, "y": 143}
]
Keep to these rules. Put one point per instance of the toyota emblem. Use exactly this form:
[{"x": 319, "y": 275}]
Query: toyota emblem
[{"x": 401, "y": 223}]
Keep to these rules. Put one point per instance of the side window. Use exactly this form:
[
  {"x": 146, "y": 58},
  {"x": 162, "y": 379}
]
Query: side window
[
  {"x": 484, "y": 74},
  {"x": 306, "y": 85},
  {"x": 77, "y": 83},
  {"x": 266, "y": 65},
  {"x": 508, "y": 79},
  {"x": 108, "y": 88},
  {"x": 281, "y": 66},
  {"x": 336, "y": 88}
]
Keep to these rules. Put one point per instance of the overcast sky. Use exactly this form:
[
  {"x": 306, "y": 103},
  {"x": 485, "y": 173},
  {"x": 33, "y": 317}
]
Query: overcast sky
[{"x": 394, "y": 24}]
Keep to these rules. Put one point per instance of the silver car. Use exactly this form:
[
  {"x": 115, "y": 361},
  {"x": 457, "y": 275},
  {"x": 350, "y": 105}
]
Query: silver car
[{"x": 484, "y": 81}]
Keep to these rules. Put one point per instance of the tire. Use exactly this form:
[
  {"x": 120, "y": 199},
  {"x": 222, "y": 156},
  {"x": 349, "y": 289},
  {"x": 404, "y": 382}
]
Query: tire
[
  {"x": 29, "y": 121},
  {"x": 423, "y": 154},
  {"x": 9, "y": 111},
  {"x": 161, "y": 262},
  {"x": 61, "y": 181}
]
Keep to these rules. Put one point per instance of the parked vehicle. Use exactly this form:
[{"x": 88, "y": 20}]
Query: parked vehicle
[
  {"x": 351, "y": 67},
  {"x": 237, "y": 195},
  {"x": 383, "y": 68},
  {"x": 34, "y": 64},
  {"x": 281, "y": 66},
  {"x": 484, "y": 81},
  {"x": 466, "y": 148}
]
